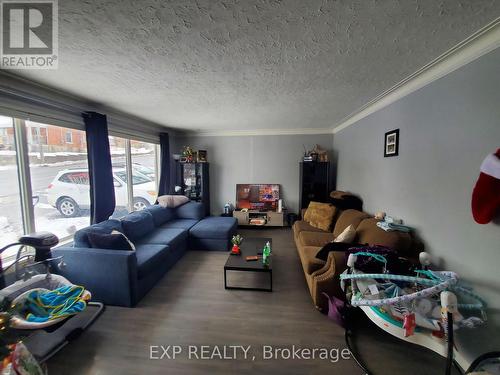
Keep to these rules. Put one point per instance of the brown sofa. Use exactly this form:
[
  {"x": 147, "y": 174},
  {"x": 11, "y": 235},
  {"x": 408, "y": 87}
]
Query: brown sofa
[{"x": 323, "y": 276}]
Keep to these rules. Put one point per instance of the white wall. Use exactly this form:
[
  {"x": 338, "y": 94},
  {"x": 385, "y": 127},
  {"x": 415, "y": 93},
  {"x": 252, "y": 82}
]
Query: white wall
[{"x": 253, "y": 159}]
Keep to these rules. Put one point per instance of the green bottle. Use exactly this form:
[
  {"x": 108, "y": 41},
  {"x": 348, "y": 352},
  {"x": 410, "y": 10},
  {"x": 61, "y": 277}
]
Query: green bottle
[{"x": 266, "y": 253}]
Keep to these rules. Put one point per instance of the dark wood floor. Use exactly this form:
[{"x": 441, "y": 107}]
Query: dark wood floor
[{"x": 189, "y": 306}]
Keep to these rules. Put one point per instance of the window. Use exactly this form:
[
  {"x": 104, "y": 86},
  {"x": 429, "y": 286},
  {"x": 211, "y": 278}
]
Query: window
[
  {"x": 79, "y": 178},
  {"x": 137, "y": 178},
  {"x": 144, "y": 164},
  {"x": 60, "y": 181},
  {"x": 69, "y": 136},
  {"x": 38, "y": 133},
  {"x": 117, "y": 147},
  {"x": 58, "y": 199},
  {"x": 143, "y": 189},
  {"x": 11, "y": 221}
]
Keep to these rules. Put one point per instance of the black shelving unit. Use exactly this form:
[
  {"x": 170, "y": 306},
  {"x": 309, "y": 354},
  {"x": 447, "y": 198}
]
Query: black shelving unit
[
  {"x": 193, "y": 178},
  {"x": 314, "y": 182}
]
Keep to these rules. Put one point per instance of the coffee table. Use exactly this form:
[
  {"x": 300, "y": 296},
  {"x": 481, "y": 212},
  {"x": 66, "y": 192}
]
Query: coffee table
[{"x": 250, "y": 246}]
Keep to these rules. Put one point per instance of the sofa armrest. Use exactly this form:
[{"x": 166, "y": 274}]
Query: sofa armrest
[
  {"x": 327, "y": 280},
  {"x": 329, "y": 264},
  {"x": 110, "y": 275},
  {"x": 336, "y": 261}
]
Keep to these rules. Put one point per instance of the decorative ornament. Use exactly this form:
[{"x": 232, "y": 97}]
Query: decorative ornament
[{"x": 486, "y": 194}]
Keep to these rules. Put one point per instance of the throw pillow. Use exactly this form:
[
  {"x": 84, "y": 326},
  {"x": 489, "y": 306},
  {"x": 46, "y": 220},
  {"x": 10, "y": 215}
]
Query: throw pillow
[
  {"x": 172, "y": 201},
  {"x": 114, "y": 231},
  {"x": 112, "y": 241},
  {"x": 309, "y": 211},
  {"x": 333, "y": 246},
  {"x": 347, "y": 235},
  {"x": 320, "y": 215}
]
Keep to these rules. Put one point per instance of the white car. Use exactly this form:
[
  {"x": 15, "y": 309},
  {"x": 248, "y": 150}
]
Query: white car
[
  {"x": 147, "y": 171},
  {"x": 69, "y": 192}
]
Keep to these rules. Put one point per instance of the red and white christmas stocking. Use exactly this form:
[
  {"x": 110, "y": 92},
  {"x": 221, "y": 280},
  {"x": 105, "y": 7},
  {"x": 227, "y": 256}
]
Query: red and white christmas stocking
[{"x": 486, "y": 193}]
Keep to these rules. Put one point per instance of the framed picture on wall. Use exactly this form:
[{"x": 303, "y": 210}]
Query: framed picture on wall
[
  {"x": 391, "y": 144},
  {"x": 202, "y": 156}
]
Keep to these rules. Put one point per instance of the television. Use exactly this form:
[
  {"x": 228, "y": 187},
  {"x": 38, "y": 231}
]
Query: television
[{"x": 261, "y": 197}]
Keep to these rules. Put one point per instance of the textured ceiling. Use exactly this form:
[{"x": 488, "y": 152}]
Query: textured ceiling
[{"x": 250, "y": 64}]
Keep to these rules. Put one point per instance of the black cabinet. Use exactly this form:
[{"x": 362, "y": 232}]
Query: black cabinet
[
  {"x": 314, "y": 182},
  {"x": 193, "y": 178}
]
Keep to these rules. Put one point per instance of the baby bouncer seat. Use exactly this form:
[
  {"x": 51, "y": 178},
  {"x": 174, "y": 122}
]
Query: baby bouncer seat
[
  {"x": 49, "y": 311},
  {"x": 424, "y": 308}
]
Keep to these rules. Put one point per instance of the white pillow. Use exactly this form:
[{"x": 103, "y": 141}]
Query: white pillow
[
  {"x": 347, "y": 235},
  {"x": 172, "y": 201},
  {"x": 132, "y": 246}
]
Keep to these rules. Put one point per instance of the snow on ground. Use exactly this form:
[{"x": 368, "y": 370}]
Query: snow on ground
[
  {"x": 142, "y": 151},
  {"x": 8, "y": 234},
  {"x": 4, "y": 222},
  {"x": 51, "y": 222},
  {"x": 7, "y": 153},
  {"x": 46, "y": 153},
  {"x": 118, "y": 152},
  {"x": 42, "y": 205},
  {"x": 57, "y": 164},
  {"x": 55, "y": 154},
  {"x": 62, "y": 227},
  {"x": 7, "y": 167}
]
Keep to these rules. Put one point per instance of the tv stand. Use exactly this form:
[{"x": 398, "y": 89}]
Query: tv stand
[{"x": 260, "y": 218}]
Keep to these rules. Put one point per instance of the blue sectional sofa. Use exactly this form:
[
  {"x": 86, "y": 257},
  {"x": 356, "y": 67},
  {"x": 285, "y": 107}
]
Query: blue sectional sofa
[{"x": 160, "y": 235}]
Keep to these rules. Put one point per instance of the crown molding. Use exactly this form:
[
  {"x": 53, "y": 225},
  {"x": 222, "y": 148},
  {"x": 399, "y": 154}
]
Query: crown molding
[
  {"x": 478, "y": 44},
  {"x": 256, "y": 132}
]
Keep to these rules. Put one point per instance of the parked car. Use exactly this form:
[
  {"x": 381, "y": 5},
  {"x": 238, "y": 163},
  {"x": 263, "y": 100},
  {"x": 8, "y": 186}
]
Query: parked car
[
  {"x": 150, "y": 172},
  {"x": 69, "y": 192}
]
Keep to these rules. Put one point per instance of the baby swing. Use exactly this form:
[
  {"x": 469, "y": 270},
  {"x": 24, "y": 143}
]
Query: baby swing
[
  {"x": 71, "y": 311},
  {"x": 423, "y": 309}
]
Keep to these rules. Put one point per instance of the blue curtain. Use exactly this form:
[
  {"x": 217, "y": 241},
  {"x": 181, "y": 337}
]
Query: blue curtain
[
  {"x": 165, "y": 185},
  {"x": 102, "y": 190}
]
